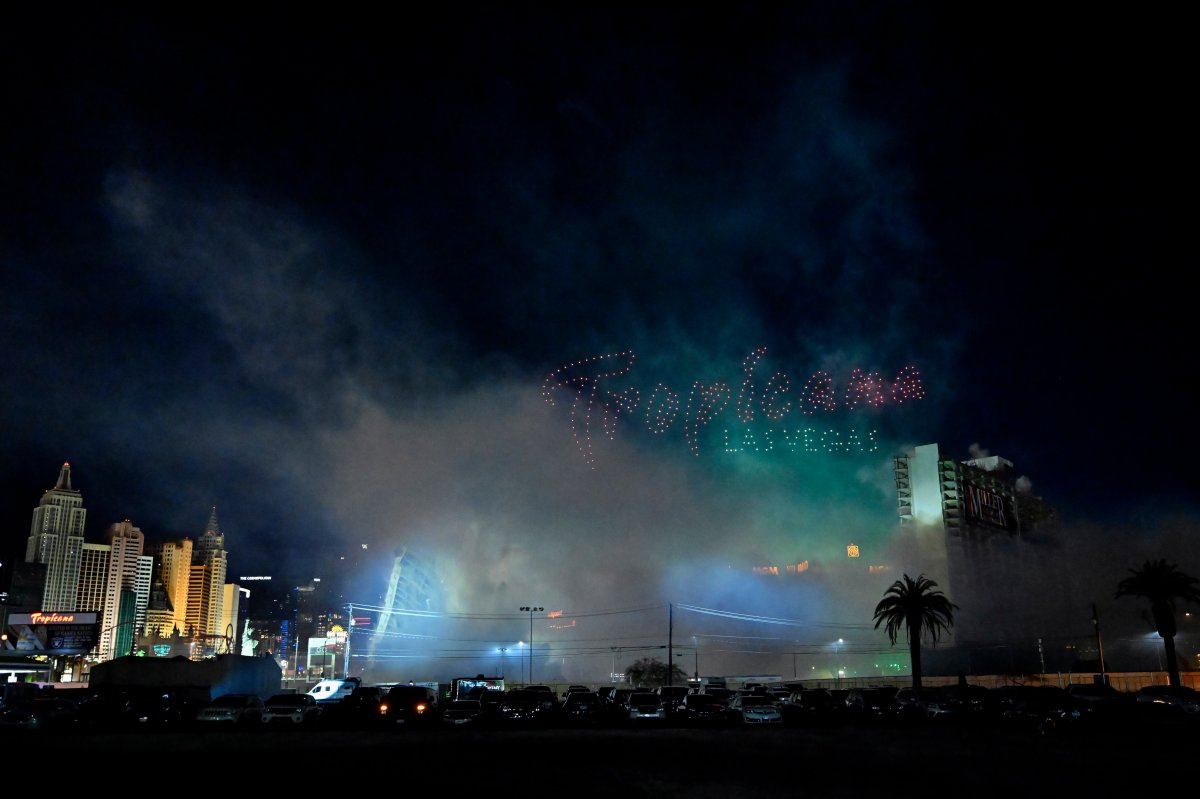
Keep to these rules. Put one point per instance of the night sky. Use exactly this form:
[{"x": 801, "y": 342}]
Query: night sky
[{"x": 315, "y": 271}]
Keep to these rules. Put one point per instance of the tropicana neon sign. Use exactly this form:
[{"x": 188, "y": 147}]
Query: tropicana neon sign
[{"x": 38, "y": 617}]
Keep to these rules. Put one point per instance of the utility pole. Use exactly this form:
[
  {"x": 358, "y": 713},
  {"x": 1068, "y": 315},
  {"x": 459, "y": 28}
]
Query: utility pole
[
  {"x": 531, "y": 610},
  {"x": 1099, "y": 642},
  {"x": 349, "y": 635},
  {"x": 670, "y": 641}
]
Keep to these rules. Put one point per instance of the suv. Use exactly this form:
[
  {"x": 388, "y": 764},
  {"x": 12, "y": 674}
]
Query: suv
[
  {"x": 409, "y": 705},
  {"x": 926, "y": 703},
  {"x": 291, "y": 709},
  {"x": 672, "y": 696},
  {"x": 1178, "y": 698},
  {"x": 871, "y": 704},
  {"x": 360, "y": 710},
  {"x": 233, "y": 709},
  {"x": 549, "y": 703}
]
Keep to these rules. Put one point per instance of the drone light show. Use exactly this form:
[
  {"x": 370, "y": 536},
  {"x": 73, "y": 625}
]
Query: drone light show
[{"x": 756, "y": 419}]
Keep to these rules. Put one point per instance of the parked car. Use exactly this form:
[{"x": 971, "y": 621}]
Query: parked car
[
  {"x": 241, "y": 709},
  {"x": 1100, "y": 703},
  {"x": 969, "y": 703},
  {"x": 837, "y": 698},
  {"x": 927, "y": 703},
  {"x": 754, "y": 709},
  {"x": 358, "y": 711},
  {"x": 871, "y": 704},
  {"x": 703, "y": 710},
  {"x": 809, "y": 707},
  {"x": 522, "y": 706},
  {"x": 1177, "y": 698},
  {"x": 546, "y": 694},
  {"x": 291, "y": 709},
  {"x": 41, "y": 713},
  {"x": 672, "y": 696},
  {"x": 724, "y": 694},
  {"x": 643, "y": 706},
  {"x": 409, "y": 705},
  {"x": 489, "y": 707},
  {"x": 172, "y": 708},
  {"x": 334, "y": 690},
  {"x": 581, "y": 709},
  {"x": 616, "y": 703},
  {"x": 461, "y": 712},
  {"x": 1043, "y": 709},
  {"x": 778, "y": 694}
]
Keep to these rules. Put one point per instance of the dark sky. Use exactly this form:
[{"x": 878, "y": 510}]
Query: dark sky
[{"x": 314, "y": 269}]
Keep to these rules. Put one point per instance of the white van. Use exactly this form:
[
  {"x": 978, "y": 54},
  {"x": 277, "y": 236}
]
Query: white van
[{"x": 333, "y": 690}]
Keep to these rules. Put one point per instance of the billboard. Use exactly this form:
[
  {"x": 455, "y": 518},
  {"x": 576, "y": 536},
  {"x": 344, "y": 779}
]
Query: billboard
[
  {"x": 51, "y": 633},
  {"x": 983, "y": 506}
]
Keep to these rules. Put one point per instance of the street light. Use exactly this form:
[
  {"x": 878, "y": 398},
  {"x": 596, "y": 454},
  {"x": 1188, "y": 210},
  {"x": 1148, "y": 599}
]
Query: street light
[
  {"x": 503, "y": 650},
  {"x": 531, "y": 610},
  {"x": 837, "y": 670}
]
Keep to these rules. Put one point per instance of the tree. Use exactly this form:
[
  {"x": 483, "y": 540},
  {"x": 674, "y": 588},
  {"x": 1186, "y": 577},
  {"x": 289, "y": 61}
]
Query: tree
[
  {"x": 652, "y": 672},
  {"x": 921, "y": 609},
  {"x": 1162, "y": 584}
]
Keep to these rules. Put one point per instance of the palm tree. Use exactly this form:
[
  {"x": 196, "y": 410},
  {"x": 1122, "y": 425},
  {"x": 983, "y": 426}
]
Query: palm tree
[
  {"x": 1162, "y": 584},
  {"x": 920, "y": 608}
]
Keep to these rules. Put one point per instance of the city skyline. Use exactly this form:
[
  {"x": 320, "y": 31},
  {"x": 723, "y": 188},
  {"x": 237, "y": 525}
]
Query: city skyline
[{"x": 346, "y": 284}]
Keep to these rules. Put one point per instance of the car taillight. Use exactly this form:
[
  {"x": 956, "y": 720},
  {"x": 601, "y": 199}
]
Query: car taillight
[
  {"x": 420, "y": 707},
  {"x": 382, "y": 708}
]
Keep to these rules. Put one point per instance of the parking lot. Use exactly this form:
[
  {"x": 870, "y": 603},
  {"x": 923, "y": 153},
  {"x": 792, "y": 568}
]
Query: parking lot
[{"x": 844, "y": 761}]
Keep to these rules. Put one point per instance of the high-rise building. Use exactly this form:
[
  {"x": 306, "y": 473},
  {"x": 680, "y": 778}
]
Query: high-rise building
[
  {"x": 173, "y": 562},
  {"x": 125, "y": 561},
  {"x": 123, "y": 634},
  {"x": 93, "y": 576},
  {"x": 974, "y": 527},
  {"x": 206, "y": 585},
  {"x": 228, "y": 623},
  {"x": 56, "y": 539},
  {"x": 160, "y": 614}
]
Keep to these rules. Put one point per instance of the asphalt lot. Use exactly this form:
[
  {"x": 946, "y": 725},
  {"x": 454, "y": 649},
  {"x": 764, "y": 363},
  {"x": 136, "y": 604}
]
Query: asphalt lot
[{"x": 726, "y": 763}]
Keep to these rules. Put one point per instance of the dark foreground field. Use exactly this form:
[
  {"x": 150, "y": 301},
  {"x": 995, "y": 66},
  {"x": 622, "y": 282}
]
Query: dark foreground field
[{"x": 844, "y": 761}]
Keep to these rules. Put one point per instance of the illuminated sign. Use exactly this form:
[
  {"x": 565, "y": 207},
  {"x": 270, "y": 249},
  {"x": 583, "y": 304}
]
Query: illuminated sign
[
  {"x": 254, "y": 577},
  {"x": 988, "y": 507},
  {"x": 51, "y": 633},
  {"x": 803, "y": 439},
  {"x": 596, "y": 410},
  {"x": 766, "y": 570},
  {"x": 43, "y": 617},
  {"x": 852, "y": 551}
]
